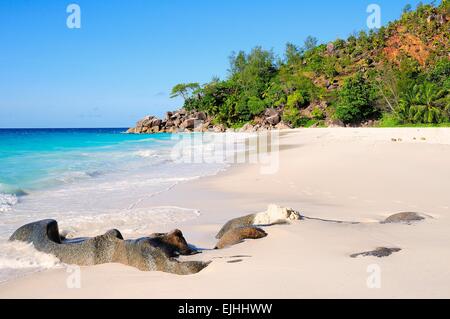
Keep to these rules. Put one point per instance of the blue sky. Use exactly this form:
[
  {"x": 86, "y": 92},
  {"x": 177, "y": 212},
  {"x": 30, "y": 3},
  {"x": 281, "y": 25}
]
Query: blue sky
[{"x": 123, "y": 62}]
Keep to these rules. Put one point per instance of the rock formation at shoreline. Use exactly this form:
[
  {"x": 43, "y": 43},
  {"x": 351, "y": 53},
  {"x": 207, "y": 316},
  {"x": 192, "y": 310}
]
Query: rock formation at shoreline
[
  {"x": 157, "y": 252},
  {"x": 172, "y": 243},
  {"x": 146, "y": 254},
  {"x": 185, "y": 121},
  {"x": 238, "y": 235},
  {"x": 406, "y": 218},
  {"x": 273, "y": 215}
]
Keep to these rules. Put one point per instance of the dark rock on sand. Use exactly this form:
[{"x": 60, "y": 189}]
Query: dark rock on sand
[
  {"x": 403, "y": 218},
  {"x": 240, "y": 222},
  {"x": 379, "y": 252},
  {"x": 237, "y": 235},
  {"x": 272, "y": 216},
  {"x": 108, "y": 248},
  {"x": 172, "y": 243}
]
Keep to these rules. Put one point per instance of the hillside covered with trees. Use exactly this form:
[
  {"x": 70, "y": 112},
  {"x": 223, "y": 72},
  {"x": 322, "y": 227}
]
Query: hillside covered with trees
[{"x": 396, "y": 75}]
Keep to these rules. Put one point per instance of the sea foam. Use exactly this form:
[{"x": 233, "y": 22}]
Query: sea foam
[
  {"x": 18, "y": 259},
  {"x": 131, "y": 223},
  {"x": 108, "y": 182},
  {"x": 7, "y": 201}
]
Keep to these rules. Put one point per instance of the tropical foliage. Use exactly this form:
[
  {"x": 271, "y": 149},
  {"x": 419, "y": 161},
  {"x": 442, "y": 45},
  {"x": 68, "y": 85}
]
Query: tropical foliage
[{"x": 400, "y": 71}]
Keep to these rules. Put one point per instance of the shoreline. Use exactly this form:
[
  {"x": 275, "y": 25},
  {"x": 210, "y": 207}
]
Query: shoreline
[{"x": 350, "y": 174}]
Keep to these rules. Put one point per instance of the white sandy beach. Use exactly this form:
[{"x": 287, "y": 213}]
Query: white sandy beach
[{"x": 357, "y": 175}]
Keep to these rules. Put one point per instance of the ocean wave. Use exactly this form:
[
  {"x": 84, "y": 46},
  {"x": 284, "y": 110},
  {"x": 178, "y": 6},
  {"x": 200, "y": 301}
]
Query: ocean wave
[
  {"x": 135, "y": 222},
  {"x": 74, "y": 176},
  {"x": 18, "y": 259},
  {"x": 146, "y": 153},
  {"x": 7, "y": 201},
  {"x": 12, "y": 190},
  {"x": 98, "y": 191},
  {"x": 94, "y": 173}
]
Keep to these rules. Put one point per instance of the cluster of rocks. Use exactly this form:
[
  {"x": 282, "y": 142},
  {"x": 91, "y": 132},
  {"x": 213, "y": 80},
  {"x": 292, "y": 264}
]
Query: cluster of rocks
[
  {"x": 370, "y": 123},
  {"x": 158, "y": 252},
  {"x": 238, "y": 229},
  {"x": 174, "y": 122},
  {"x": 192, "y": 121},
  {"x": 271, "y": 119},
  {"x": 439, "y": 18}
]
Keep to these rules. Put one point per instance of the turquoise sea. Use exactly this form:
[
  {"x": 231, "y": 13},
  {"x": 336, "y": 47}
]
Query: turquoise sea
[
  {"x": 90, "y": 180},
  {"x": 32, "y": 159}
]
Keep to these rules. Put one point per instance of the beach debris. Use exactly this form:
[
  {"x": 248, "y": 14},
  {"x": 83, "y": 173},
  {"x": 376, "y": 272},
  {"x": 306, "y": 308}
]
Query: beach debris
[
  {"x": 406, "y": 217},
  {"x": 380, "y": 252},
  {"x": 272, "y": 216},
  {"x": 238, "y": 235},
  {"x": 234, "y": 261},
  {"x": 146, "y": 254}
]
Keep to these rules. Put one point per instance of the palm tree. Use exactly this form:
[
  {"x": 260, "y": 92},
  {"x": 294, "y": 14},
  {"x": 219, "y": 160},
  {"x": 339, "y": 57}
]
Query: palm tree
[{"x": 423, "y": 104}]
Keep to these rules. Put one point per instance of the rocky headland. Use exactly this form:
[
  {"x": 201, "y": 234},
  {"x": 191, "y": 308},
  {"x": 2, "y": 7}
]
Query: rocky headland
[{"x": 193, "y": 121}]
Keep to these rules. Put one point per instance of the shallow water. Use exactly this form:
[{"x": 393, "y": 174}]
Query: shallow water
[{"x": 89, "y": 180}]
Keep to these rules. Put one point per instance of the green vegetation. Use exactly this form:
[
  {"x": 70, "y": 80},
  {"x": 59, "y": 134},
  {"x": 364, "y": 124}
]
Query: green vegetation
[
  {"x": 398, "y": 75},
  {"x": 356, "y": 100}
]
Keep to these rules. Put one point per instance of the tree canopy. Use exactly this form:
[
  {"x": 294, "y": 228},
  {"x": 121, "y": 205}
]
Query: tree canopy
[{"x": 400, "y": 71}]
